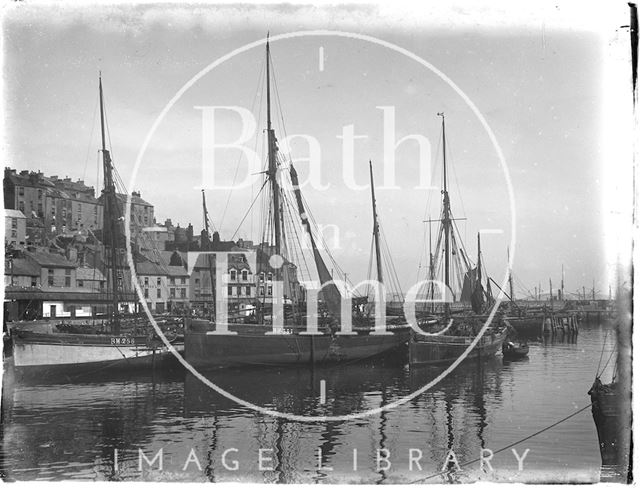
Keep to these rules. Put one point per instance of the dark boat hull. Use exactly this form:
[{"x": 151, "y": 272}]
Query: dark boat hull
[
  {"x": 611, "y": 411},
  {"x": 446, "y": 349},
  {"x": 515, "y": 352},
  {"x": 248, "y": 347}
]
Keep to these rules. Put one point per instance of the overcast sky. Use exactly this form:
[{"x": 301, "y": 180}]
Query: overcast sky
[{"x": 538, "y": 76}]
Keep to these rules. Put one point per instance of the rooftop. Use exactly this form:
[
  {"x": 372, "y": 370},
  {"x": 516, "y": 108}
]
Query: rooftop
[
  {"x": 22, "y": 267},
  {"x": 87, "y": 273},
  {"x": 50, "y": 260},
  {"x": 15, "y": 214}
]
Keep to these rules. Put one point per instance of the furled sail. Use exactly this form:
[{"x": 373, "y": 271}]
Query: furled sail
[
  {"x": 468, "y": 285},
  {"x": 330, "y": 293}
]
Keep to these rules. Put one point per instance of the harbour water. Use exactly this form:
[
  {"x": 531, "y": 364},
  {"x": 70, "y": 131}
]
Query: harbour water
[{"x": 72, "y": 427}]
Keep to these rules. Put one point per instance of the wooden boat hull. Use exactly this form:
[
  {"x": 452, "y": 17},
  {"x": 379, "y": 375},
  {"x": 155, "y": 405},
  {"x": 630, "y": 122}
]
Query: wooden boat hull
[
  {"x": 611, "y": 411},
  {"x": 517, "y": 352},
  {"x": 446, "y": 349},
  {"x": 247, "y": 348},
  {"x": 59, "y": 350}
]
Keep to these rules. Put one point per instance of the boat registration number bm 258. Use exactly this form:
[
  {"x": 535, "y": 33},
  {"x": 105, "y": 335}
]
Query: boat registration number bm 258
[{"x": 123, "y": 341}]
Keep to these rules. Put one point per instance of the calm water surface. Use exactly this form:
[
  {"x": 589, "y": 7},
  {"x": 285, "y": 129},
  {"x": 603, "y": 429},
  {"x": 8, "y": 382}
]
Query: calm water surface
[{"x": 71, "y": 428}]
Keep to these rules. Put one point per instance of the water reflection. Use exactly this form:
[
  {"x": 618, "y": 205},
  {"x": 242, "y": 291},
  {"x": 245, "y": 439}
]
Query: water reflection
[{"x": 72, "y": 427}]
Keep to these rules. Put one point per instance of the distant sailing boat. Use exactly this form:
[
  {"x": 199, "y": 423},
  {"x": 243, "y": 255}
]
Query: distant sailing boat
[
  {"x": 456, "y": 330},
  {"x": 123, "y": 343},
  {"x": 251, "y": 344}
]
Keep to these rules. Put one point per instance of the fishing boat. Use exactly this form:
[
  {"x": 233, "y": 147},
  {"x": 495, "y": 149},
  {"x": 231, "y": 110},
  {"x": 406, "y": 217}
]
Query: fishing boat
[
  {"x": 511, "y": 351},
  {"x": 611, "y": 403},
  {"x": 116, "y": 341},
  {"x": 452, "y": 334},
  {"x": 283, "y": 337}
]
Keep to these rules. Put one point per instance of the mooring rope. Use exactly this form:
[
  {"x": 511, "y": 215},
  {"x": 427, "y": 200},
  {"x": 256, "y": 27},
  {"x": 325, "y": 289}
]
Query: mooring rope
[{"x": 510, "y": 445}]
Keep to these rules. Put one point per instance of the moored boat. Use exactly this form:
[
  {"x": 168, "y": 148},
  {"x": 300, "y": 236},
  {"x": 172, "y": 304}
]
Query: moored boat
[
  {"x": 258, "y": 343},
  {"x": 252, "y": 346},
  {"x": 511, "y": 351},
  {"x": 117, "y": 342},
  {"x": 450, "y": 335},
  {"x": 443, "y": 349}
]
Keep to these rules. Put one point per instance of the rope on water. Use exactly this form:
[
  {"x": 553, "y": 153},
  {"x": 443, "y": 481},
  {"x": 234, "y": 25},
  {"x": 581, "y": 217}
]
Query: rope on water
[{"x": 512, "y": 444}]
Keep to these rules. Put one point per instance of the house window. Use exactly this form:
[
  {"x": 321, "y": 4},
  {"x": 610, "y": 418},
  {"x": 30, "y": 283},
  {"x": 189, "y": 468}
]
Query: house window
[
  {"x": 34, "y": 281},
  {"x": 158, "y": 281},
  {"x": 50, "y": 277},
  {"x": 172, "y": 292},
  {"x": 234, "y": 275},
  {"x": 230, "y": 291},
  {"x": 21, "y": 206},
  {"x": 172, "y": 281},
  {"x": 183, "y": 281},
  {"x": 67, "y": 281},
  {"x": 14, "y": 223},
  {"x": 146, "y": 281},
  {"x": 197, "y": 281},
  {"x": 262, "y": 291},
  {"x": 14, "y": 233},
  {"x": 245, "y": 275},
  {"x": 183, "y": 293},
  {"x": 146, "y": 292},
  {"x": 247, "y": 291},
  {"x": 21, "y": 191},
  {"x": 80, "y": 283},
  {"x": 270, "y": 277},
  {"x": 269, "y": 290},
  {"x": 261, "y": 277},
  {"x": 158, "y": 292}
]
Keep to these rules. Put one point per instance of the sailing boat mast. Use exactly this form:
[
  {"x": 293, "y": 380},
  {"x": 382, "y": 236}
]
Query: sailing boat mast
[
  {"x": 212, "y": 277},
  {"x": 446, "y": 216},
  {"x": 479, "y": 266},
  {"x": 431, "y": 271},
  {"x": 510, "y": 277},
  {"x": 376, "y": 226},
  {"x": 110, "y": 219},
  {"x": 273, "y": 164}
]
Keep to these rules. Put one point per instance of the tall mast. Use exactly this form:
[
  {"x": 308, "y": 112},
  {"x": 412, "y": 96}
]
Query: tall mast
[
  {"x": 446, "y": 215},
  {"x": 510, "y": 276},
  {"x": 110, "y": 218},
  {"x": 479, "y": 261},
  {"x": 273, "y": 165},
  {"x": 431, "y": 268},
  {"x": 562, "y": 284},
  {"x": 376, "y": 226},
  {"x": 212, "y": 276}
]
